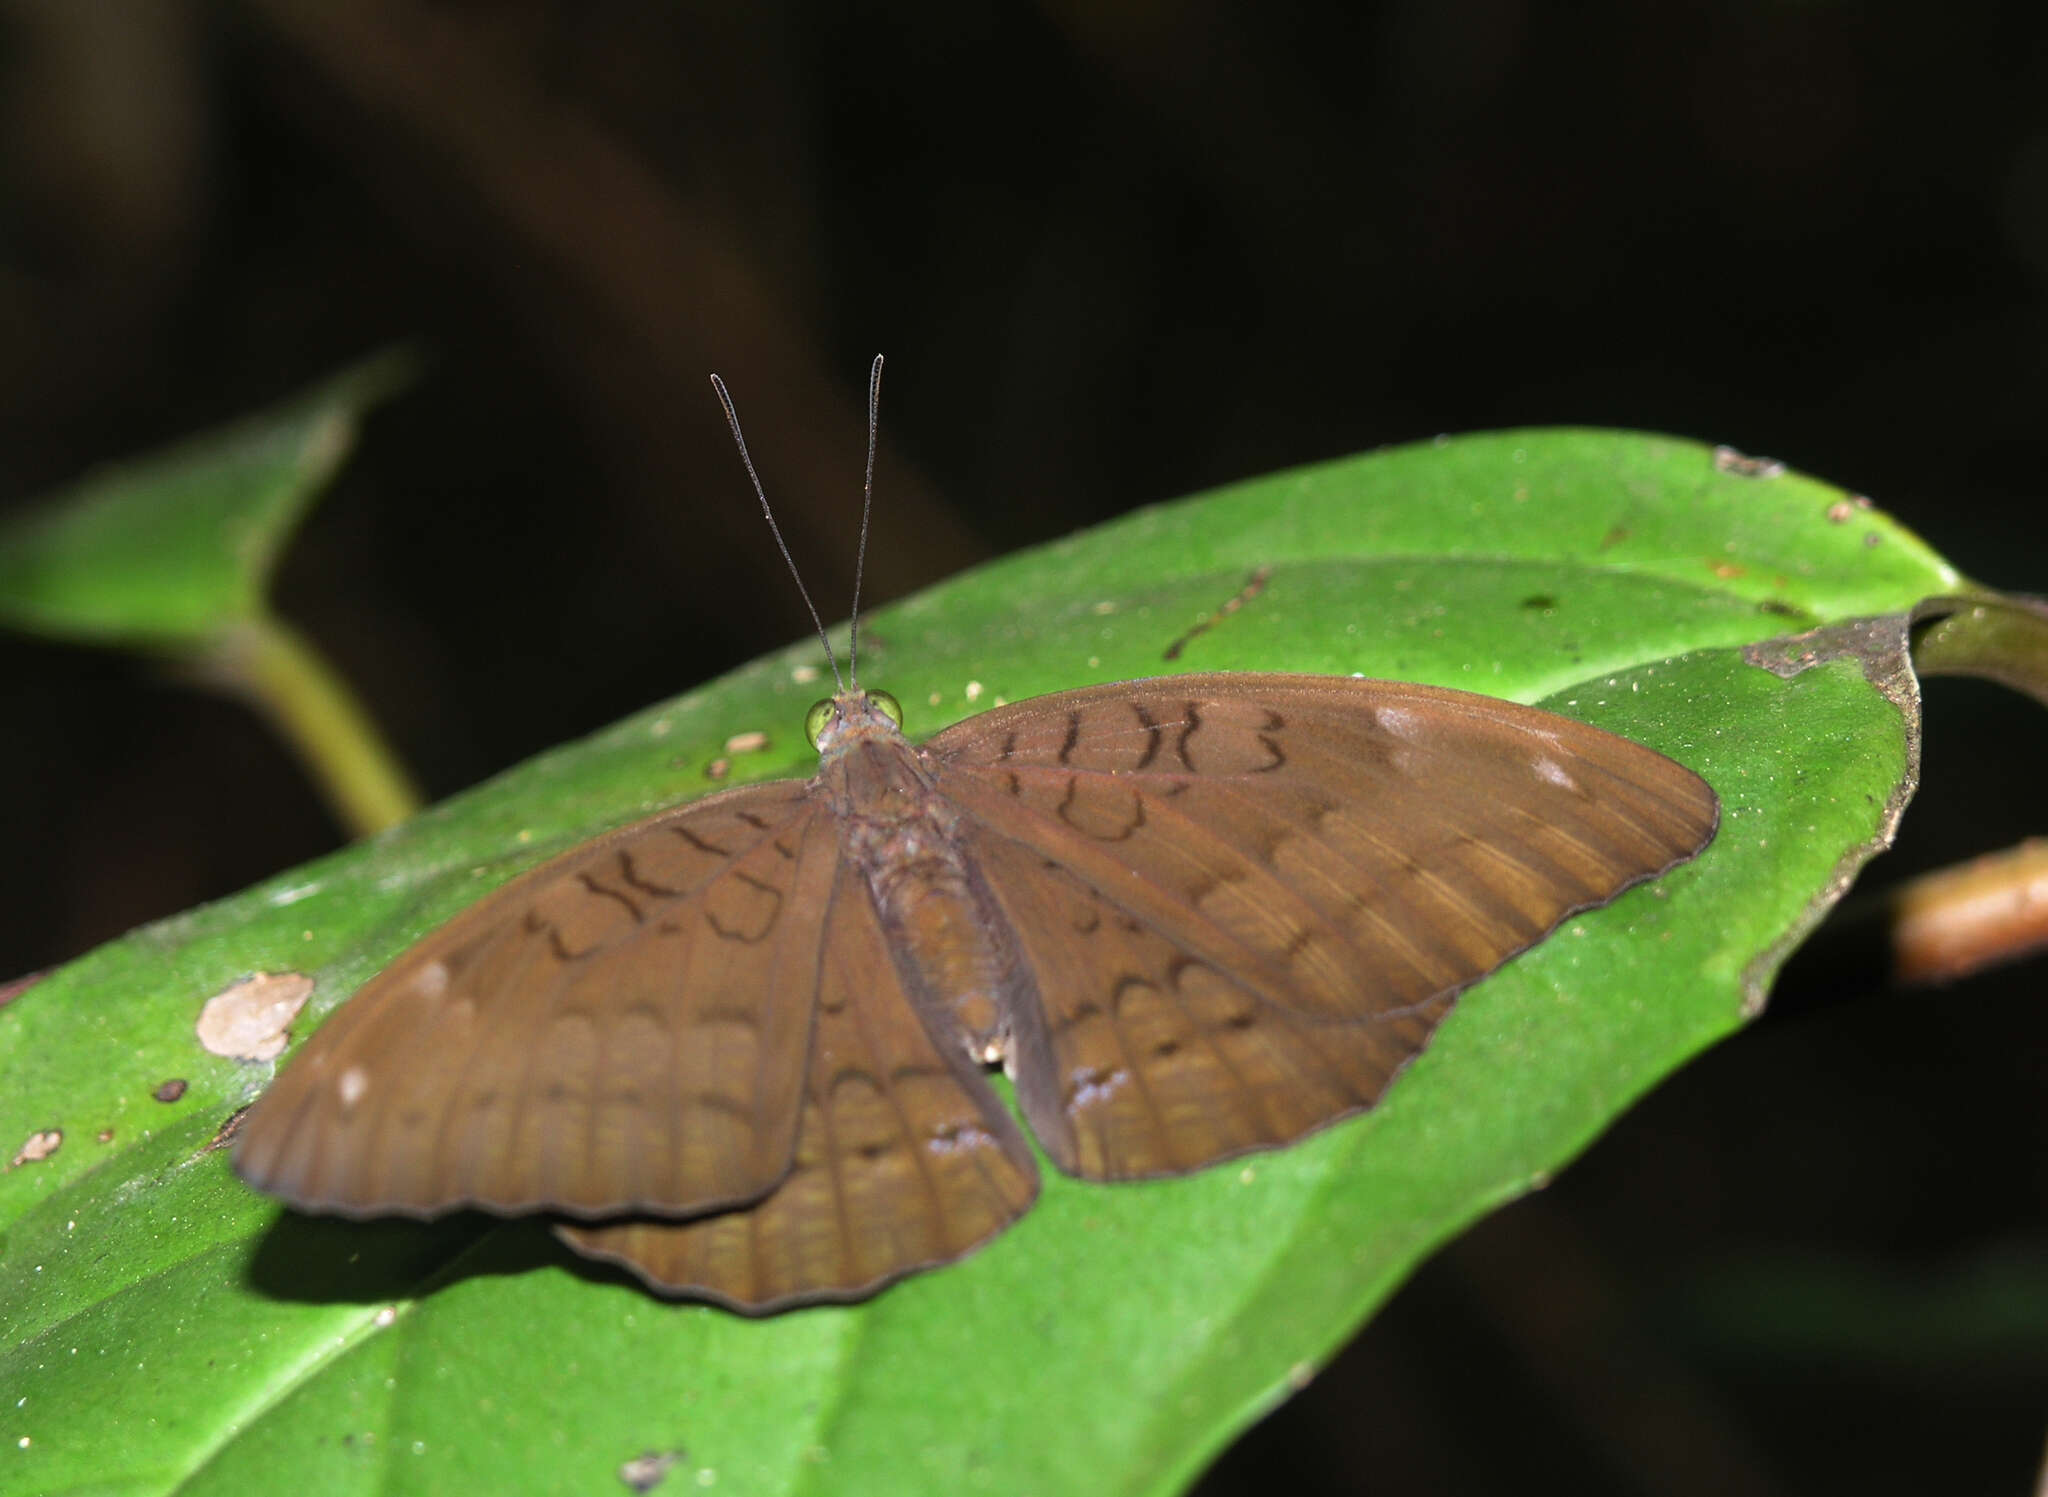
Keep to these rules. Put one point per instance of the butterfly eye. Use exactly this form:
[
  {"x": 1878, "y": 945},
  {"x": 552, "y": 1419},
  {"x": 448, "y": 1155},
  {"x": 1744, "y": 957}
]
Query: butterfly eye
[
  {"x": 888, "y": 706},
  {"x": 821, "y": 713}
]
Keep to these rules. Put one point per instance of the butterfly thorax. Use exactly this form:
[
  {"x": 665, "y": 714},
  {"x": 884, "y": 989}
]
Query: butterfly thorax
[{"x": 951, "y": 945}]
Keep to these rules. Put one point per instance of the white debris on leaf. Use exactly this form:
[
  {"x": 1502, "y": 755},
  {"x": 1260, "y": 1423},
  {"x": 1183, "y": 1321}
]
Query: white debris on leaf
[
  {"x": 38, "y": 1146},
  {"x": 252, "y": 1020}
]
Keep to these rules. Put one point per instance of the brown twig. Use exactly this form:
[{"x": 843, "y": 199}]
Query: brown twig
[{"x": 1955, "y": 921}]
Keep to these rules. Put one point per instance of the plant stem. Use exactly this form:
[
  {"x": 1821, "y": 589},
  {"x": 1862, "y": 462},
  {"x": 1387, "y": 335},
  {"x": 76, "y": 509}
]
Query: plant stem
[
  {"x": 267, "y": 662},
  {"x": 1950, "y": 923}
]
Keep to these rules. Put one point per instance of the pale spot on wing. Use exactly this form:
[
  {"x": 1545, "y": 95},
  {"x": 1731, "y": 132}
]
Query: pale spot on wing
[
  {"x": 1093, "y": 1087},
  {"x": 1398, "y": 721},
  {"x": 431, "y": 981},
  {"x": 957, "y": 1140},
  {"x": 351, "y": 1085},
  {"x": 1549, "y": 769}
]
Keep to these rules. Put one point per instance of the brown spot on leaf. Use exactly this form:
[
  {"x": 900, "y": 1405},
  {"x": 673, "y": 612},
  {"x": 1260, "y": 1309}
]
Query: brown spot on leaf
[
  {"x": 1741, "y": 465},
  {"x": 104, "y": 1136},
  {"x": 37, "y": 1147},
  {"x": 1254, "y": 585},
  {"x": 252, "y": 1019},
  {"x": 746, "y": 743},
  {"x": 649, "y": 1469},
  {"x": 718, "y": 769},
  {"x": 1728, "y": 571},
  {"x": 170, "y": 1091},
  {"x": 225, "y": 1134}
]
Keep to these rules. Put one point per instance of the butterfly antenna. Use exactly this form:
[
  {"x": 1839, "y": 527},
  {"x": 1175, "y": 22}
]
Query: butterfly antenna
[
  {"x": 867, "y": 503},
  {"x": 732, "y": 418}
]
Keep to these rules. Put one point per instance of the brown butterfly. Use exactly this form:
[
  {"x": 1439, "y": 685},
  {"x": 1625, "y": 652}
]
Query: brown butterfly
[{"x": 740, "y": 1046}]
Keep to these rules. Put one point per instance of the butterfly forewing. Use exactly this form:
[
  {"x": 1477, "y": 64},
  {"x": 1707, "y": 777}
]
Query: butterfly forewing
[
  {"x": 626, "y": 1027},
  {"x": 1246, "y": 901},
  {"x": 905, "y": 1156}
]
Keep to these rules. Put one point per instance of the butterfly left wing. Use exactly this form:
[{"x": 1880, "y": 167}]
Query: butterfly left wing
[
  {"x": 1245, "y": 901},
  {"x": 905, "y": 1157},
  {"x": 624, "y": 1028}
]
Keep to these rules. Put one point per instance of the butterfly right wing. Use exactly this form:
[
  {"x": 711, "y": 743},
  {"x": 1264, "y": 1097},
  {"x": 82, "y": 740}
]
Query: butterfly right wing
[
  {"x": 624, "y": 1028},
  {"x": 906, "y": 1157},
  {"x": 1243, "y": 902}
]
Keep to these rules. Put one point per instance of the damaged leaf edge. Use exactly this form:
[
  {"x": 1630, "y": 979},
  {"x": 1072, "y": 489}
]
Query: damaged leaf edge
[{"x": 1880, "y": 645}]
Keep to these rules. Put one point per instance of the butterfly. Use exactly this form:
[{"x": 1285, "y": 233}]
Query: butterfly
[{"x": 741, "y": 1048}]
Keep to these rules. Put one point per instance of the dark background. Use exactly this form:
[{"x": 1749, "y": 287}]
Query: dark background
[{"x": 1116, "y": 250}]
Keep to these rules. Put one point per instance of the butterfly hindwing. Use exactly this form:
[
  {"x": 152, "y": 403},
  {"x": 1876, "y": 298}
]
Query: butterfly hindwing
[
  {"x": 1155, "y": 1060},
  {"x": 905, "y": 1157}
]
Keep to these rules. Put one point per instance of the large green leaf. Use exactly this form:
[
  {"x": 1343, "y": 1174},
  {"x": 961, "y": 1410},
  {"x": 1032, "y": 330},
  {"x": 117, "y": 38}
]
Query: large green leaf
[{"x": 174, "y": 1332}]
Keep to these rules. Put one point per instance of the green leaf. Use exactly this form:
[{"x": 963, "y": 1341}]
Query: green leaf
[
  {"x": 173, "y": 1331},
  {"x": 171, "y": 549}
]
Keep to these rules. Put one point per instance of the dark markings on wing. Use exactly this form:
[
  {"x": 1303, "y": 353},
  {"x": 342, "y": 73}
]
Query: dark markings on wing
[
  {"x": 702, "y": 844},
  {"x": 631, "y": 874},
  {"x": 1112, "y": 832},
  {"x": 632, "y": 908},
  {"x": 1191, "y": 724},
  {"x": 1153, "y": 737}
]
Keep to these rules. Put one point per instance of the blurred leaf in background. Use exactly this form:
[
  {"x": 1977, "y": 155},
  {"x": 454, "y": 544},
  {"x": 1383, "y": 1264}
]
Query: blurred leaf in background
[{"x": 173, "y": 555}]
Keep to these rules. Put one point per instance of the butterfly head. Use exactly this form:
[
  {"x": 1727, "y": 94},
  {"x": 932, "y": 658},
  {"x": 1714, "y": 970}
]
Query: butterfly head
[{"x": 857, "y": 713}]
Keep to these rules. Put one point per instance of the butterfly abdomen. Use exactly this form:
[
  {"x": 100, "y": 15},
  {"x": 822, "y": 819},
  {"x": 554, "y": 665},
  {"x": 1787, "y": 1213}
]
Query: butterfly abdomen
[{"x": 951, "y": 946}]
